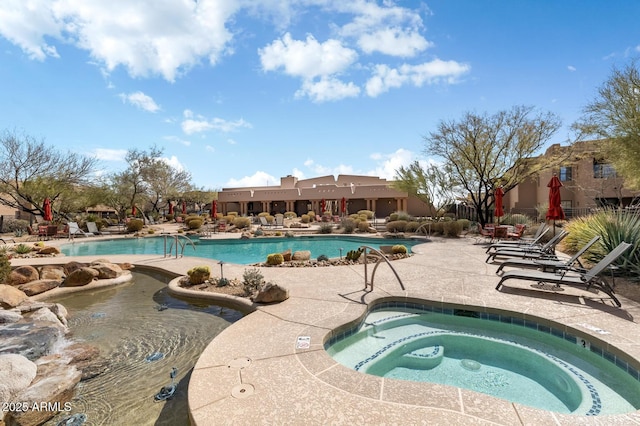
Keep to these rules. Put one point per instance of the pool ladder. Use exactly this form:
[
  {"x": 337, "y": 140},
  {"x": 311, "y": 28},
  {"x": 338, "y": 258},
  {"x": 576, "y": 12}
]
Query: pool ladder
[
  {"x": 177, "y": 241},
  {"x": 381, "y": 257}
]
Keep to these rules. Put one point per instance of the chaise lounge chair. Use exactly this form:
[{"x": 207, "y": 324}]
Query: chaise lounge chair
[
  {"x": 549, "y": 265},
  {"x": 586, "y": 279},
  {"x": 93, "y": 228},
  {"x": 74, "y": 230},
  {"x": 535, "y": 242},
  {"x": 546, "y": 251}
]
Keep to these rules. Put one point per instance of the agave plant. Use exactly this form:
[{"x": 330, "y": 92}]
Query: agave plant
[{"x": 614, "y": 227}]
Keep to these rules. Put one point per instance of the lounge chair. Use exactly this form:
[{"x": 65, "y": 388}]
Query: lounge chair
[
  {"x": 587, "y": 279},
  {"x": 546, "y": 251},
  {"x": 93, "y": 228},
  {"x": 263, "y": 222},
  {"x": 74, "y": 230},
  {"x": 519, "y": 243},
  {"x": 549, "y": 265},
  {"x": 279, "y": 221}
]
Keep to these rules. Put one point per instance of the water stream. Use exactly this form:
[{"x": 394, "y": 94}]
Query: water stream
[{"x": 143, "y": 333}]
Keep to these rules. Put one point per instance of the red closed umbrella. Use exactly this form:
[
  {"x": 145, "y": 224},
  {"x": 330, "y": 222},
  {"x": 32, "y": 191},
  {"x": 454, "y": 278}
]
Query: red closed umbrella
[
  {"x": 214, "y": 210},
  {"x": 184, "y": 207},
  {"x": 555, "y": 211},
  {"x": 48, "y": 214},
  {"x": 133, "y": 211},
  {"x": 170, "y": 207},
  {"x": 322, "y": 205},
  {"x": 343, "y": 205},
  {"x": 497, "y": 200}
]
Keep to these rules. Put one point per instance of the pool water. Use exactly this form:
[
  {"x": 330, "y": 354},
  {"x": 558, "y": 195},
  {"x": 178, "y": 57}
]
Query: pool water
[
  {"x": 142, "y": 332},
  {"x": 244, "y": 252},
  {"x": 511, "y": 362}
]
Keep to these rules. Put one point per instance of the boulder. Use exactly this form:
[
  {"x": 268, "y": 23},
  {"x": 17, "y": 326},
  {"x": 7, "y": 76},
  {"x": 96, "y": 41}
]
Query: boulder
[
  {"x": 9, "y": 316},
  {"x": 10, "y": 296},
  {"x": 301, "y": 255},
  {"x": 126, "y": 266},
  {"x": 80, "y": 277},
  {"x": 99, "y": 261},
  {"x": 85, "y": 357},
  {"x": 52, "y": 272},
  {"x": 51, "y": 386},
  {"x": 60, "y": 311},
  {"x": 38, "y": 286},
  {"x": 271, "y": 293},
  {"x": 287, "y": 255},
  {"x": 107, "y": 270},
  {"x": 17, "y": 373},
  {"x": 49, "y": 250},
  {"x": 72, "y": 266},
  {"x": 23, "y": 275},
  {"x": 46, "y": 317}
]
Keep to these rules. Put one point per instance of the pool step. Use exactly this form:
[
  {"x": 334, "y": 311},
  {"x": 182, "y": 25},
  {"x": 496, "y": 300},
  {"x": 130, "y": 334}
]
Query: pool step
[{"x": 424, "y": 358}]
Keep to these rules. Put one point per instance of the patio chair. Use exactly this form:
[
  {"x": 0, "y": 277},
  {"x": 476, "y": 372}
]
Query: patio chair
[
  {"x": 519, "y": 229},
  {"x": 549, "y": 265},
  {"x": 263, "y": 222},
  {"x": 486, "y": 232},
  {"x": 93, "y": 228},
  {"x": 519, "y": 243},
  {"x": 587, "y": 279},
  {"x": 546, "y": 251},
  {"x": 74, "y": 230},
  {"x": 279, "y": 221}
]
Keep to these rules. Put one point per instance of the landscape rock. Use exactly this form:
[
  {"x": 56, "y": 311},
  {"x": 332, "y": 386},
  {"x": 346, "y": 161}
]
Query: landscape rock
[
  {"x": 301, "y": 255},
  {"x": 49, "y": 250},
  {"x": 52, "y": 272},
  {"x": 80, "y": 277},
  {"x": 72, "y": 266},
  {"x": 47, "y": 317},
  {"x": 22, "y": 275},
  {"x": 38, "y": 286},
  {"x": 17, "y": 373},
  {"x": 107, "y": 270},
  {"x": 126, "y": 266},
  {"x": 271, "y": 293},
  {"x": 10, "y": 296},
  {"x": 9, "y": 316},
  {"x": 287, "y": 255}
]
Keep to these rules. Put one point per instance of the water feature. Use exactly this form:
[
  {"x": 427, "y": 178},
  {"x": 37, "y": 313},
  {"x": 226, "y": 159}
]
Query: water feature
[
  {"x": 143, "y": 333},
  {"x": 499, "y": 358},
  {"x": 237, "y": 251}
]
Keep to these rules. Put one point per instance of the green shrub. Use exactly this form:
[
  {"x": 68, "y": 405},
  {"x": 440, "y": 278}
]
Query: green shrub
[
  {"x": 242, "y": 222},
  {"x": 465, "y": 223},
  {"x": 399, "y": 249},
  {"x": 5, "y": 267},
  {"x": 134, "y": 225},
  {"x": 151, "y": 231},
  {"x": 22, "y": 249},
  {"x": 354, "y": 216},
  {"x": 289, "y": 234},
  {"x": 270, "y": 219},
  {"x": 199, "y": 274},
  {"x": 326, "y": 228},
  {"x": 397, "y": 226},
  {"x": 322, "y": 258},
  {"x": 222, "y": 282},
  {"x": 194, "y": 223},
  {"x": 354, "y": 255},
  {"x": 275, "y": 259},
  {"x": 412, "y": 226},
  {"x": 259, "y": 232},
  {"x": 515, "y": 219},
  {"x": 15, "y": 225},
  {"x": 169, "y": 217},
  {"x": 290, "y": 215},
  {"x": 404, "y": 216},
  {"x": 252, "y": 279},
  {"x": 305, "y": 218},
  {"x": 312, "y": 215},
  {"x": 393, "y": 217},
  {"x": 363, "y": 226},
  {"x": 367, "y": 213},
  {"x": 348, "y": 225},
  {"x": 451, "y": 228}
]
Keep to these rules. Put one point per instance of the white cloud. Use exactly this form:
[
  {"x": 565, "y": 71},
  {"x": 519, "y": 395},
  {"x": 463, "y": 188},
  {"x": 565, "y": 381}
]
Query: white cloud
[
  {"x": 320, "y": 170},
  {"x": 110, "y": 154},
  {"x": 389, "y": 163},
  {"x": 197, "y": 124},
  {"x": 209, "y": 148},
  {"x": 177, "y": 140},
  {"x": 259, "y": 178},
  {"x": 571, "y": 68},
  {"x": 436, "y": 71},
  {"x": 394, "y": 42},
  {"x": 147, "y": 37},
  {"x": 140, "y": 100},
  {"x": 327, "y": 89},
  {"x": 306, "y": 58},
  {"x": 174, "y": 162}
]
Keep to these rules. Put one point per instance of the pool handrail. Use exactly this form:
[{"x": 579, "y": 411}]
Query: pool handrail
[
  {"x": 176, "y": 240},
  {"x": 381, "y": 257}
]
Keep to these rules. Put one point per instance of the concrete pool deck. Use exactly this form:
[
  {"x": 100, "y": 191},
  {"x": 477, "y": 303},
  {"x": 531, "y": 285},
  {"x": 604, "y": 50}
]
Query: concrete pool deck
[{"x": 252, "y": 373}]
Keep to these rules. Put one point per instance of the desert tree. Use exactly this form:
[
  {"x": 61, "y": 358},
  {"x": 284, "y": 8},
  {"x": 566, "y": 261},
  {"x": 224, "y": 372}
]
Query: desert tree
[
  {"x": 482, "y": 151},
  {"x": 31, "y": 171},
  {"x": 614, "y": 115}
]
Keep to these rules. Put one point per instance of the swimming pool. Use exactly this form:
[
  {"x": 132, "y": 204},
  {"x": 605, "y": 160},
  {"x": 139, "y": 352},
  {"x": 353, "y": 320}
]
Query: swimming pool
[
  {"x": 531, "y": 364},
  {"x": 238, "y": 251}
]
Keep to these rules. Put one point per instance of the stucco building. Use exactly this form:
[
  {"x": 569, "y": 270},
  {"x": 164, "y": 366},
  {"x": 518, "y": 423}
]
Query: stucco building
[
  {"x": 589, "y": 181},
  {"x": 301, "y": 196}
]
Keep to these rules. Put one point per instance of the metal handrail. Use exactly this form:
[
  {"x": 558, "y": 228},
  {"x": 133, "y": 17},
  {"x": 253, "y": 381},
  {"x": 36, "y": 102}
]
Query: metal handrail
[
  {"x": 178, "y": 242},
  {"x": 381, "y": 257}
]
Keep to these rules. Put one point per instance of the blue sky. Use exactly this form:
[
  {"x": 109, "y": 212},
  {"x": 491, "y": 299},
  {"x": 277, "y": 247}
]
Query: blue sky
[{"x": 241, "y": 94}]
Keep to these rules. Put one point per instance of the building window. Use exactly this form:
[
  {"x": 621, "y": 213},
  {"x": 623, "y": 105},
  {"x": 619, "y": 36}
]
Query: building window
[
  {"x": 565, "y": 174},
  {"x": 603, "y": 170}
]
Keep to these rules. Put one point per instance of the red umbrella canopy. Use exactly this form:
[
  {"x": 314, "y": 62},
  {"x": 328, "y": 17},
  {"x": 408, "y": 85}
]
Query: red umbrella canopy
[
  {"x": 170, "y": 207},
  {"x": 497, "y": 199},
  {"x": 214, "y": 209},
  {"x": 555, "y": 211},
  {"x": 48, "y": 214}
]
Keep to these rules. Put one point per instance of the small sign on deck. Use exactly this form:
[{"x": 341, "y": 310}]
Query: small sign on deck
[{"x": 304, "y": 342}]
